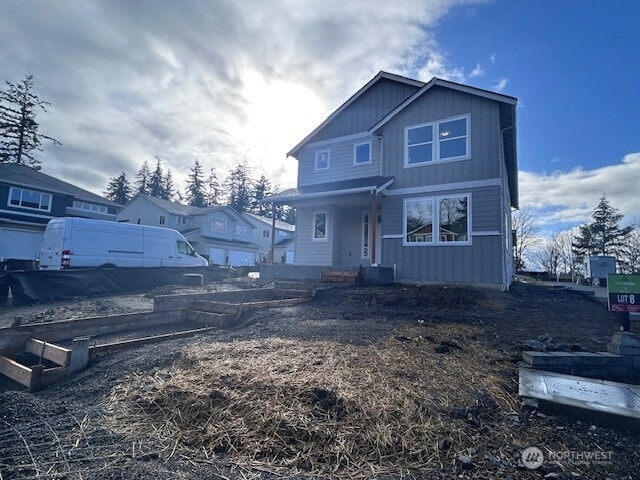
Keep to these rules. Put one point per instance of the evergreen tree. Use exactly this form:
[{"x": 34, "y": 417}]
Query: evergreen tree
[
  {"x": 212, "y": 196},
  {"x": 603, "y": 235},
  {"x": 168, "y": 190},
  {"x": 261, "y": 189},
  {"x": 156, "y": 181},
  {"x": 119, "y": 189},
  {"x": 238, "y": 186},
  {"x": 18, "y": 127},
  {"x": 143, "y": 178},
  {"x": 195, "y": 193}
]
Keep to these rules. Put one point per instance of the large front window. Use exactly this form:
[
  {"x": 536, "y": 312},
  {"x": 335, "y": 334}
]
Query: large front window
[
  {"x": 438, "y": 220},
  {"x": 20, "y": 197},
  {"x": 320, "y": 226},
  {"x": 452, "y": 142}
]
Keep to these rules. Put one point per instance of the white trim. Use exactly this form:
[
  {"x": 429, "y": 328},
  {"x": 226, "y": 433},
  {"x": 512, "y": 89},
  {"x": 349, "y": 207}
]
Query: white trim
[
  {"x": 326, "y": 226},
  {"x": 315, "y": 164},
  {"x": 35, "y": 209},
  {"x": 384, "y": 186},
  {"x": 25, "y": 214},
  {"x": 498, "y": 97},
  {"x": 436, "y": 141},
  {"x": 398, "y": 236},
  {"x": 492, "y": 233},
  {"x": 355, "y": 149},
  {"x": 331, "y": 141},
  {"x": 491, "y": 182},
  {"x": 436, "y": 221}
]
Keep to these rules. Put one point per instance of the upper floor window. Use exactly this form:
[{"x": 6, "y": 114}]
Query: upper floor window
[
  {"x": 161, "y": 220},
  {"x": 362, "y": 153},
  {"x": 90, "y": 207},
  {"x": 20, "y": 197},
  {"x": 181, "y": 220},
  {"x": 242, "y": 230},
  {"x": 323, "y": 160},
  {"x": 320, "y": 226},
  {"x": 265, "y": 233},
  {"x": 451, "y": 142},
  {"x": 436, "y": 220},
  {"x": 219, "y": 225}
]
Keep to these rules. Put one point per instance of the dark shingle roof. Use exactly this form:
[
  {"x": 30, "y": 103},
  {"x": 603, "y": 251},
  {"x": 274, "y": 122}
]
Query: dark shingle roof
[
  {"x": 341, "y": 187},
  {"x": 23, "y": 176}
]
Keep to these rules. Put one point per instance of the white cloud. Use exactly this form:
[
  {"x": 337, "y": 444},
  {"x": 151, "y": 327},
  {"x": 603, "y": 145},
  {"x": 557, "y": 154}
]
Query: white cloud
[
  {"x": 500, "y": 85},
  {"x": 492, "y": 58},
  {"x": 569, "y": 197},
  {"x": 478, "y": 71},
  {"x": 196, "y": 79}
]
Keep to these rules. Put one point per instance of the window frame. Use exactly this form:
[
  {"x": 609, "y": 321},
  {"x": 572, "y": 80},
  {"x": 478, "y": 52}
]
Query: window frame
[
  {"x": 181, "y": 220},
  {"x": 435, "y": 239},
  {"x": 314, "y": 224},
  {"x": 222, "y": 221},
  {"x": 316, "y": 156},
  {"x": 355, "y": 149},
  {"x": 435, "y": 142},
  {"x": 242, "y": 231},
  {"x": 162, "y": 220},
  {"x": 26, "y": 207}
]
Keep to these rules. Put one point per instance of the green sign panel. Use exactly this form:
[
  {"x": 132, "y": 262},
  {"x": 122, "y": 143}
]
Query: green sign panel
[{"x": 624, "y": 293}]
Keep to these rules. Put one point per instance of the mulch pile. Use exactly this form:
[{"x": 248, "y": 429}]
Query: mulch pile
[{"x": 411, "y": 401}]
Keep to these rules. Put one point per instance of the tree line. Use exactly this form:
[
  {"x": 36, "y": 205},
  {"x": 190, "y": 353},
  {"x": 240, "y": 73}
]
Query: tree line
[
  {"x": 564, "y": 253},
  {"x": 239, "y": 190}
]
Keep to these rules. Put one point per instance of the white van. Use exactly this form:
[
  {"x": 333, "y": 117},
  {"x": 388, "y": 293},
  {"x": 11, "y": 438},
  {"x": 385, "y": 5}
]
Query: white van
[{"x": 82, "y": 242}]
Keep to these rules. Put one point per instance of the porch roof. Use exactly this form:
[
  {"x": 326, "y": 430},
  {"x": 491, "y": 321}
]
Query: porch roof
[{"x": 330, "y": 189}]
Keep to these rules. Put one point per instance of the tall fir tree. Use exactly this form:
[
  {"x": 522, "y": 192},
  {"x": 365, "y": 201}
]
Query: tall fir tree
[
  {"x": 238, "y": 185},
  {"x": 261, "y": 189},
  {"x": 119, "y": 189},
  {"x": 19, "y": 134},
  {"x": 603, "y": 235},
  {"x": 142, "y": 179},
  {"x": 156, "y": 181},
  {"x": 195, "y": 192},
  {"x": 213, "y": 193},
  {"x": 168, "y": 189}
]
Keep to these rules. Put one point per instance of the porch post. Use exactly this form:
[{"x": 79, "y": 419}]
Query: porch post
[
  {"x": 273, "y": 233},
  {"x": 373, "y": 222}
]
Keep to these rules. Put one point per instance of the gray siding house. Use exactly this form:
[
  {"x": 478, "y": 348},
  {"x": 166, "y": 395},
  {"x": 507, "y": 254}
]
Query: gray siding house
[
  {"x": 283, "y": 243},
  {"x": 418, "y": 176},
  {"x": 218, "y": 233}
]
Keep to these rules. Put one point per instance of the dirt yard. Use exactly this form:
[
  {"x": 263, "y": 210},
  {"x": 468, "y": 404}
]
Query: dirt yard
[{"x": 361, "y": 382}]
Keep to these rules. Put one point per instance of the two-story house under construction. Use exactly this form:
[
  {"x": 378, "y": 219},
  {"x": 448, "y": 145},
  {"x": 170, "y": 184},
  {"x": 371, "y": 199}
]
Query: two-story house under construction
[{"x": 418, "y": 176}]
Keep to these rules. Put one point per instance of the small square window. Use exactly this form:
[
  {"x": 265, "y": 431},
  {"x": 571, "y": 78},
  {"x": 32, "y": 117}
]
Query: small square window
[
  {"x": 362, "y": 153},
  {"x": 323, "y": 160}
]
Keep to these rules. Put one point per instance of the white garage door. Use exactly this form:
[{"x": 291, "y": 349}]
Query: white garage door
[
  {"x": 239, "y": 258},
  {"x": 216, "y": 256},
  {"x": 19, "y": 244}
]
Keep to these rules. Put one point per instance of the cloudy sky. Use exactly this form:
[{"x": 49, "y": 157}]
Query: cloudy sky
[{"x": 228, "y": 81}]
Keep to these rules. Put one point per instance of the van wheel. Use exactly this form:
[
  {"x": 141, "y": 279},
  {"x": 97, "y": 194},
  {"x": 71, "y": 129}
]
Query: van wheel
[{"x": 108, "y": 265}]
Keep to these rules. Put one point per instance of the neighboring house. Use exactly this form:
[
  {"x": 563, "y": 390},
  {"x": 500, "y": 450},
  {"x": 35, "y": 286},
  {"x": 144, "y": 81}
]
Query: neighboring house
[
  {"x": 218, "y": 233},
  {"x": 283, "y": 244},
  {"x": 418, "y": 176},
  {"x": 30, "y": 198}
]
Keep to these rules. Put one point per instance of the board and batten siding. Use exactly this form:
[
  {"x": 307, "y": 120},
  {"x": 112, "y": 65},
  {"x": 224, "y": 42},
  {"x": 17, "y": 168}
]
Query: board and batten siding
[
  {"x": 308, "y": 251},
  {"x": 341, "y": 166},
  {"x": 435, "y": 105},
  {"x": 366, "y": 110},
  {"x": 478, "y": 263}
]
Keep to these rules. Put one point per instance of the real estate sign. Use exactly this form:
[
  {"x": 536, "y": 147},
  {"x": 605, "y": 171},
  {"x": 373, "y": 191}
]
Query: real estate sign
[{"x": 624, "y": 293}]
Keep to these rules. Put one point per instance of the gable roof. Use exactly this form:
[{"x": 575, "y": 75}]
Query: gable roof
[
  {"x": 279, "y": 223},
  {"x": 381, "y": 75},
  {"x": 330, "y": 189},
  {"x": 439, "y": 82},
  {"x": 20, "y": 175}
]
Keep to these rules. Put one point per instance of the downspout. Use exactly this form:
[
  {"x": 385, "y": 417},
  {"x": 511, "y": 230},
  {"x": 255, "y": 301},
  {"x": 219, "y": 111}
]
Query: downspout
[{"x": 273, "y": 234}]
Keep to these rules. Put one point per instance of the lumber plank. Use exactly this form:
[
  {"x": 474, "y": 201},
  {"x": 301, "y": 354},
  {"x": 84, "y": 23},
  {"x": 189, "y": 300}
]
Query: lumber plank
[
  {"x": 15, "y": 371},
  {"x": 209, "y": 318},
  {"x": 215, "y": 307},
  {"x": 53, "y": 375},
  {"x": 49, "y": 351},
  {"x": 137, "y": 342}
]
